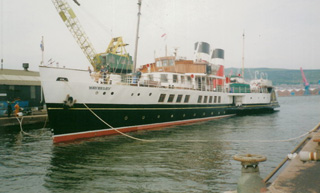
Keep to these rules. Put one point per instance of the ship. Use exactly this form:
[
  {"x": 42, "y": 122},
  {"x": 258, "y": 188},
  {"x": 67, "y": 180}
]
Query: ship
[{"x": 116, "y": 98}]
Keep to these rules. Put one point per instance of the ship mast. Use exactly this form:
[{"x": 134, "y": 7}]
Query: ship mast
[
  {"x": 137, "y": 38},
  {"x": 243, "y": 55}
]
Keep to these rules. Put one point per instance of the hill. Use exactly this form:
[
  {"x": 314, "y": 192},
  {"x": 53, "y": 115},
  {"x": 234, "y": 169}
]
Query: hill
[{"x": 280, "y": 76}]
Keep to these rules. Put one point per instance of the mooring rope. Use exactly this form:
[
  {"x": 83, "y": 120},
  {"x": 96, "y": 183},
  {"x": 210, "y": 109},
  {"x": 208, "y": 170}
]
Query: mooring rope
[
  {"x": 245, "y": 141},
  {"x": 21, "y": 129},
  {"x": 23, "y": 132},
  {"x": 146, "y": 140}
]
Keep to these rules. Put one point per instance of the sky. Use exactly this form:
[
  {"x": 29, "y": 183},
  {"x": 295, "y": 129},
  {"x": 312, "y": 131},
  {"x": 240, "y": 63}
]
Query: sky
[{"x": 278, "y": 33}]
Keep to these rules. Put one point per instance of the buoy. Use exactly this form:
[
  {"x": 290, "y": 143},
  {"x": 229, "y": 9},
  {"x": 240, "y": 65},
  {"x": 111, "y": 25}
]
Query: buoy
[
  {"x": 309, "y": 156},
  {"x": 192, "y": 76}
]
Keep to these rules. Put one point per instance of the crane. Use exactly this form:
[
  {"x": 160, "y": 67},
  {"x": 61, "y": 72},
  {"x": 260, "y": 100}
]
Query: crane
[
  {"x": 116, "y": 59},
  {"x": 305, "y": 82}
]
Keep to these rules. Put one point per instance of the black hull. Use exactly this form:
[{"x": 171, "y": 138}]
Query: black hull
[{"x": 79, "y": 119}]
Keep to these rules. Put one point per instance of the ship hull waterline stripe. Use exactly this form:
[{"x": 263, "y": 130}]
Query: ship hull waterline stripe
[
  {"x": 60, "y": 108},
  {"x": 104, "y": 132}
]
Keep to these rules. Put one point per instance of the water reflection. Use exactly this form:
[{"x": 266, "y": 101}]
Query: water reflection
[{"x": 119, "y": 164}]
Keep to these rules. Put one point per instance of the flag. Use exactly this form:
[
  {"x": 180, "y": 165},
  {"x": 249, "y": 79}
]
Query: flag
[
  {"x": 42, "y": 46},
  {"x": 163, "y": 35}
]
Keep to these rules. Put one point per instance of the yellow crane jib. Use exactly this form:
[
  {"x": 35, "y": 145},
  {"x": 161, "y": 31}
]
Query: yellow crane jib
[{"x": 72, "y": 23}]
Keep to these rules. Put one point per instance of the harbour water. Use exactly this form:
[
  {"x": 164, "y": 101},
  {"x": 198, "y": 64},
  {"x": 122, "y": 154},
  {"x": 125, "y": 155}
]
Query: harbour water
[{"x": 189, "y": 158}]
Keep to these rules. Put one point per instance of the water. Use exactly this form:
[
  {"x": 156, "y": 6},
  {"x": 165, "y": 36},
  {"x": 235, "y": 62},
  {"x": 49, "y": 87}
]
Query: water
[{"x": 119, "y": 164}]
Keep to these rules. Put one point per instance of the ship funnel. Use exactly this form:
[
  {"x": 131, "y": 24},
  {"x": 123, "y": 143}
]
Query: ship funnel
[
  {"x": 201, "y": 52},
  {"x": 217, "y": 57}
]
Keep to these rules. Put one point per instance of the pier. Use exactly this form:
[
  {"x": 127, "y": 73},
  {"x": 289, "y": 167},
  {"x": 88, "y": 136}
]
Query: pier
[
  {"x": 29, "y": 121},
  {"x": 299, "y": 174}
]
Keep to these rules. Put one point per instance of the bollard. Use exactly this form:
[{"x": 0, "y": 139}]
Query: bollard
[{"x": 250, "y": 180}]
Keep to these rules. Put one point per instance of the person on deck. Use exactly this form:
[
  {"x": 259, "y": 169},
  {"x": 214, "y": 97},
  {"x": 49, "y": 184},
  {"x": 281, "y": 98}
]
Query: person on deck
[{"x": 17, "y": 108}]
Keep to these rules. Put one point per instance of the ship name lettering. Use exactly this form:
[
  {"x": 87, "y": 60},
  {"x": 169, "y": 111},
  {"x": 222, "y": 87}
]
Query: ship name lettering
[{"x": 98, "y": 88}]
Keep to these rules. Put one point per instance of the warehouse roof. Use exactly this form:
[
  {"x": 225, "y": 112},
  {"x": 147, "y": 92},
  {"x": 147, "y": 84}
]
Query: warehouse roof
[{"x": 19, "y": 77}]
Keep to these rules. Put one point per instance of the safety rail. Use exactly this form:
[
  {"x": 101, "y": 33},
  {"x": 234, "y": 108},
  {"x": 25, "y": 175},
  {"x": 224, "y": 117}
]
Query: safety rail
[{"x": 132, "y": 80}]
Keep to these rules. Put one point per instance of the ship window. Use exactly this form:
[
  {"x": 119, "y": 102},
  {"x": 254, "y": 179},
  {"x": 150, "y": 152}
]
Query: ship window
[
  {"x": 205, "y": 99},
  {"x": 210, "y": 99},
  {"x": 171, "y": 62},
  {"x": 215, "y": 99},
  {"x": 170, "y": 99},
  {"x": 179, "y": 98},
  {"x": 189, "y": 79},
  {"x": 164, "y": 78},
  {"x": 182, "y": 79},
  {"x": 33, "y": 92},
  {"x": 186, "y": 98},
  {"x": 219, "y": 99},
  {"x": 164, "y": 62},
  {"x": 175, "y": 78},
  {"x": 158, "y": 63},
  {"x": 162, "y": 97},
  {"x": 199, "y": 99}
]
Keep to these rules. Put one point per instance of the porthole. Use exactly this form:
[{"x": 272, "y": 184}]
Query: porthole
[
  {"x": 112, "y": 93},
  {"x": 126, "y": 118},
  {"x": 211, "y": 113},
  {"x": 131, "y": 94},
  {"x": 150, "y": 94},
  {"x": 224, "y": 112},
  {"x": 184, "y": 115},
  {"x": 138, "y": 94},
  {"x": 171, "y": 115},
  {"x": 158, "y": 116},
  {"x": 104, "y": 93},
  {"x": 203, "y": 114},
  {"x": 218, "y": 113},
  {"x": 194, "y": 114},
  {"x": 97, "y": 92},
  {"x": 143, "y": 117}
]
